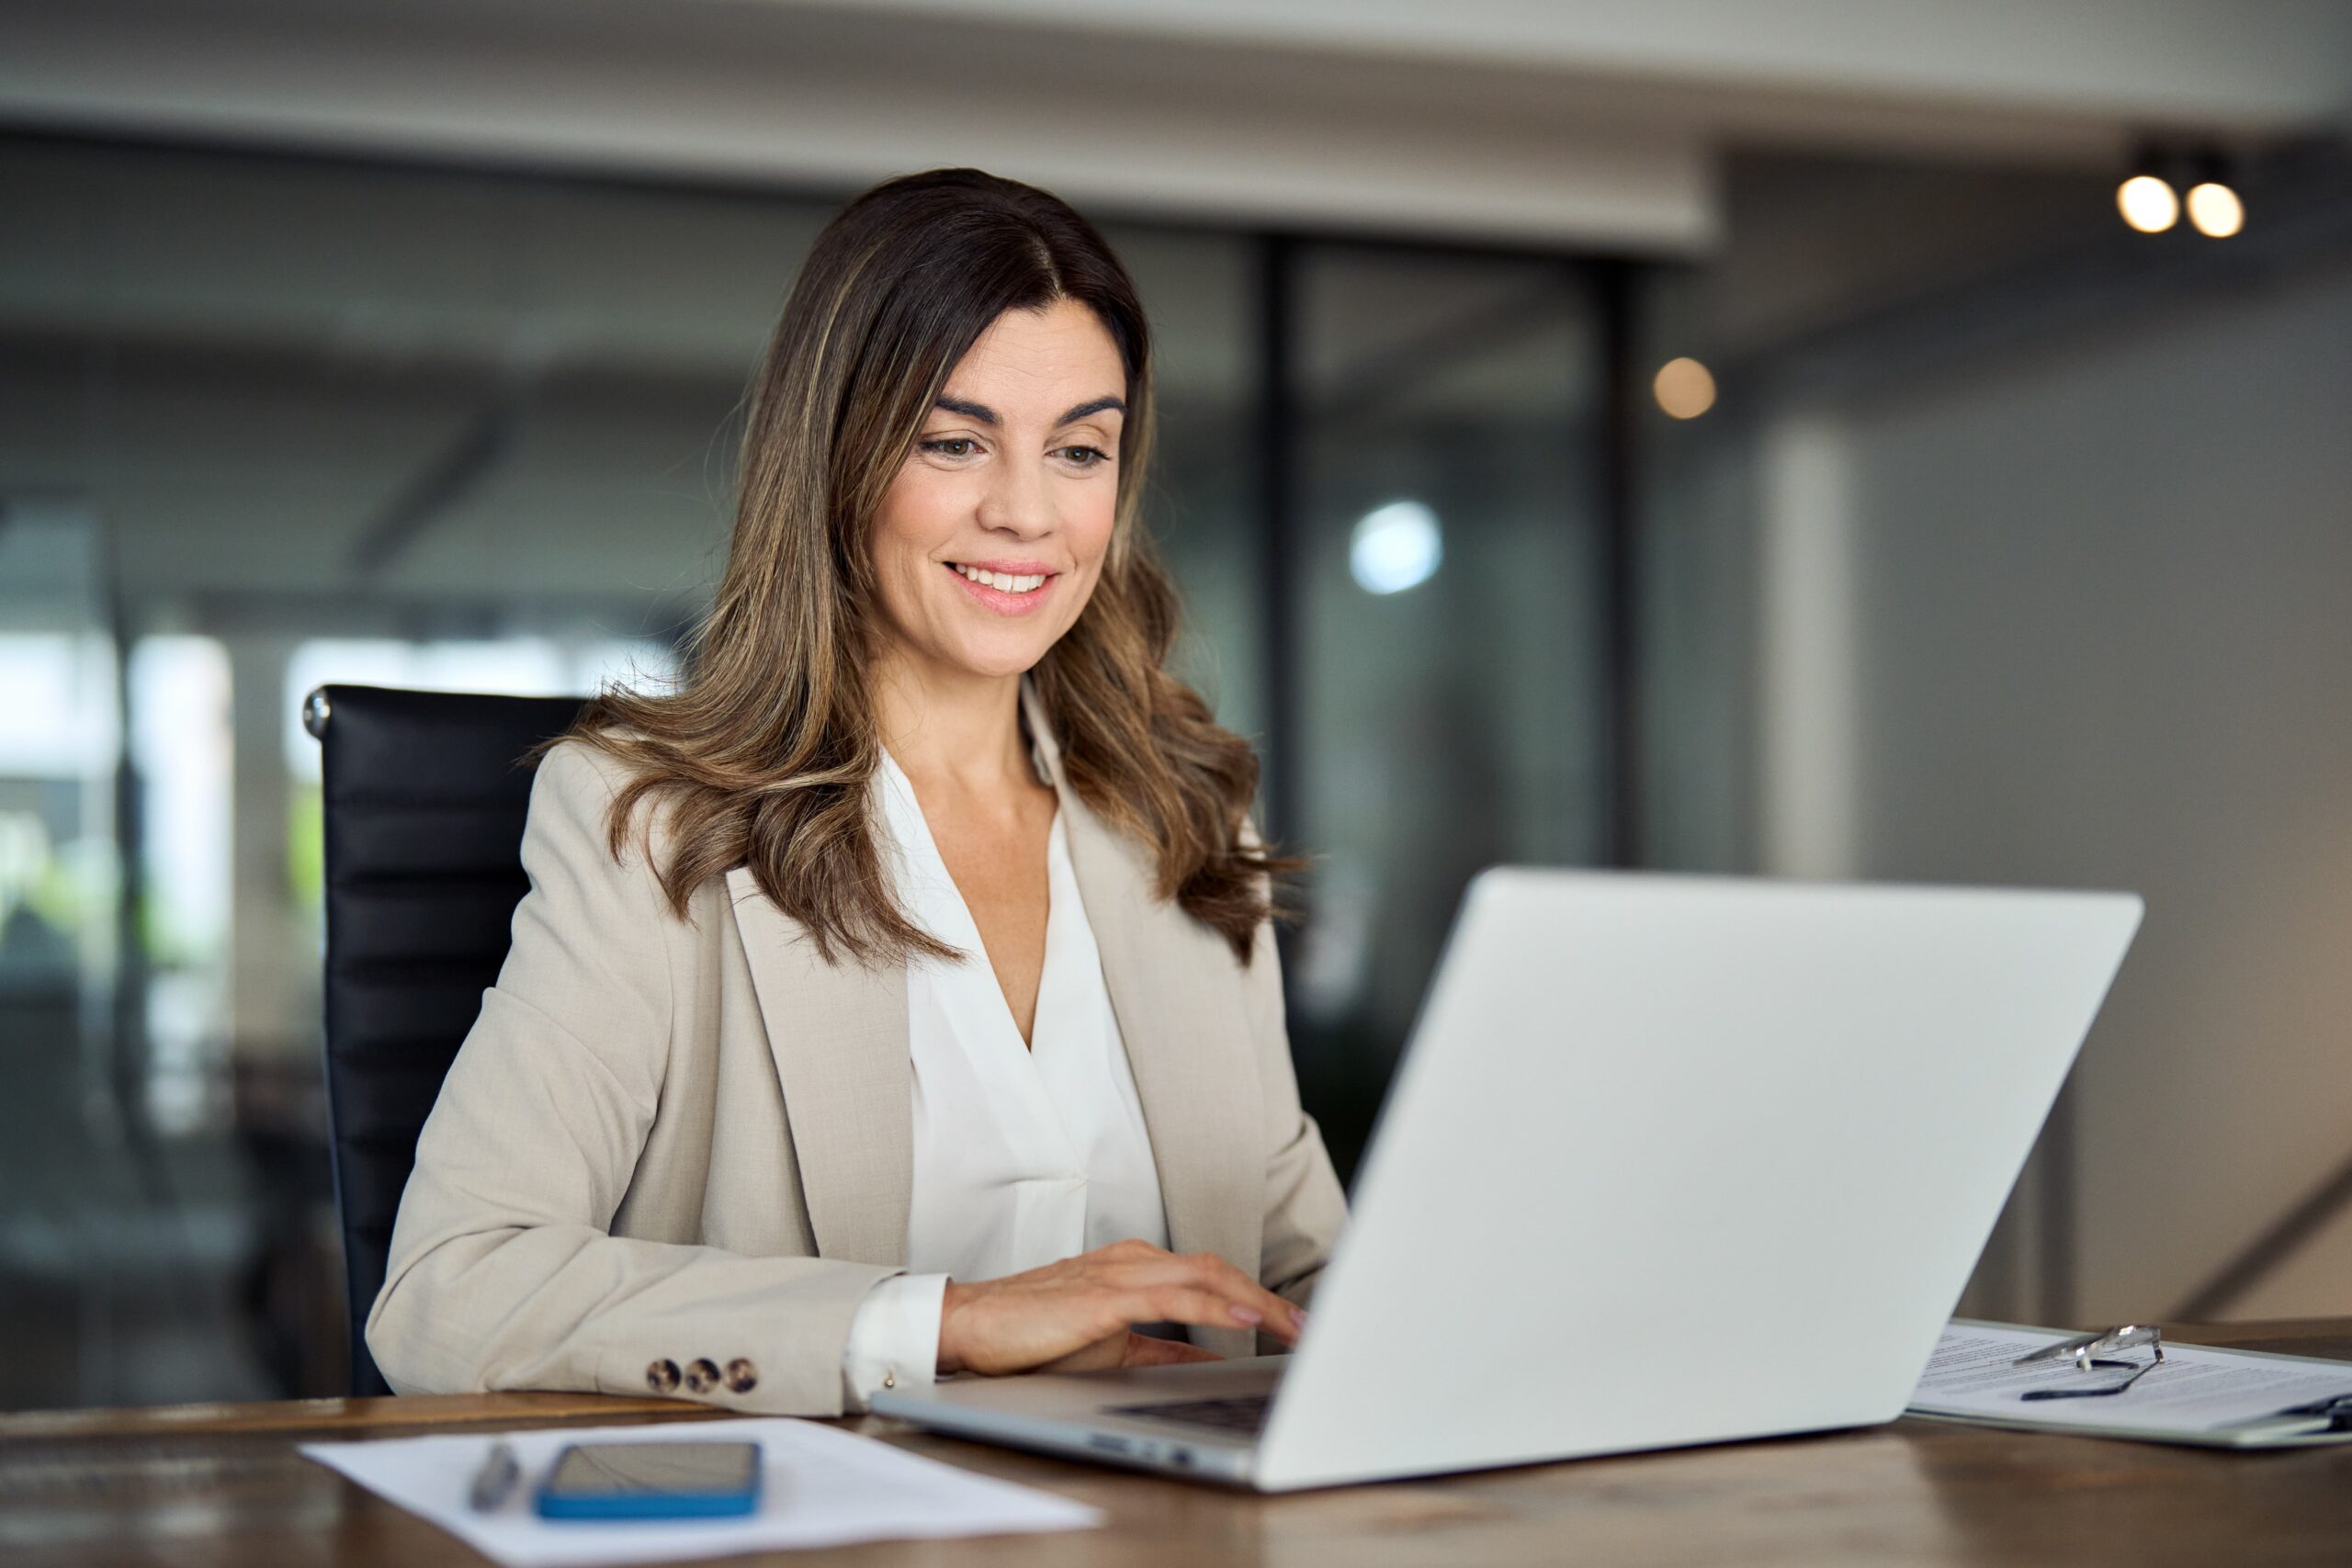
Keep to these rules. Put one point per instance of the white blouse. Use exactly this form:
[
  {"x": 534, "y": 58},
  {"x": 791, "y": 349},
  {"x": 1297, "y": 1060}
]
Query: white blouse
[{"x": 1023, "y": 1153}]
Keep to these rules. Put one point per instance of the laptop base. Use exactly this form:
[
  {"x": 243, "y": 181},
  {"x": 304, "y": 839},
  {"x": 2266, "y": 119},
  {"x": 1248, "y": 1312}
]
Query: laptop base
[{"x": 1089, "y": 1415}]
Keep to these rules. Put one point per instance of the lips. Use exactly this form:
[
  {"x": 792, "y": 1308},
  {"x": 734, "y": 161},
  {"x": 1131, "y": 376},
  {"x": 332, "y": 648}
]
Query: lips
[
  {"x": 998, "y": 600},
  {"x": 1005, "y": 577}
]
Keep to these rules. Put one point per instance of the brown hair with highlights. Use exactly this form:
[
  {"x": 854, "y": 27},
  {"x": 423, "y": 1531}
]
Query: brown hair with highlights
[{"x": 763, "y": 754}]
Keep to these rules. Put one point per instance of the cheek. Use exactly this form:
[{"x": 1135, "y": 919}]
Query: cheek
[
  {"x": 1088, "y": 528},
  {"x": 1089, "y": 523},
  {"x": 918, "y": 513}
]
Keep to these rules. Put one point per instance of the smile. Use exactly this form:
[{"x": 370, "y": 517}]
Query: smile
[
  {"x": 1005, "y": 581},
  {"x": 1007, "y": 594}
]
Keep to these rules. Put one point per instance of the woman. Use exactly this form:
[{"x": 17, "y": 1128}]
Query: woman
[{"x": 897, "y": 997}]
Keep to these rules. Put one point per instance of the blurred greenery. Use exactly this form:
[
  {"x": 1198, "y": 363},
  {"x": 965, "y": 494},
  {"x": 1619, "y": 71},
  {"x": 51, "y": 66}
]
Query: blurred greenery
[{"x": 306, "y": 846}]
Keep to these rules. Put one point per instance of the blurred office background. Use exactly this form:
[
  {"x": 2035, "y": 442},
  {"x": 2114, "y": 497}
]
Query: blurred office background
[{"x": 1698, "y": 435}]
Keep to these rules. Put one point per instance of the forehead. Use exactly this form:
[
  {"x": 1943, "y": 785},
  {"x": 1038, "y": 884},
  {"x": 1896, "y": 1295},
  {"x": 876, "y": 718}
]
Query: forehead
[{"x": 1042, "y": 353}]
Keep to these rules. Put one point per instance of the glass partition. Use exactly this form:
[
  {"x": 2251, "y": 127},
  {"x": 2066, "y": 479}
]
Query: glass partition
[{"x": 1448, "y": 629}]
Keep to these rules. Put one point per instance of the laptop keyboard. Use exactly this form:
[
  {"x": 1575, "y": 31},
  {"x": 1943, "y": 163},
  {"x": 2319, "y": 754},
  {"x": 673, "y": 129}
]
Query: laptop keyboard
[{"x": 1243, "y": 1415}]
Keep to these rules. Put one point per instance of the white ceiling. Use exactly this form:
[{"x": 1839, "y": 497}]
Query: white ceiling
[
  {"x": 1594, "y": 123},
  {"x": 2217, "y": 63}
]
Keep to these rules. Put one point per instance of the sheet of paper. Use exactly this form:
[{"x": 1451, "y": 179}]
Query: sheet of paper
[
  {"x": 823, "y": 1487},
  {"x": 2194, "y": 1390}
]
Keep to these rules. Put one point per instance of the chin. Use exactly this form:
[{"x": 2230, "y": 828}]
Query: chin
[{"x": 997, "y": 662}]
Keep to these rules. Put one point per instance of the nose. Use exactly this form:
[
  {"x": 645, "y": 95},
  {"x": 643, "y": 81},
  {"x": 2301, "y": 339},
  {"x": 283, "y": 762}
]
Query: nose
[{"x": 1017, "y": 501}]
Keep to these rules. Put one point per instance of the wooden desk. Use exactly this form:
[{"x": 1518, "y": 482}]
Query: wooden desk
[{"x": 223, "y": 1485}]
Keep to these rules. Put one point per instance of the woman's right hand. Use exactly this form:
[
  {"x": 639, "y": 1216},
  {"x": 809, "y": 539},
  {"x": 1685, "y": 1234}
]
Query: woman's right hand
[{"x": 1023, "y": 1321}]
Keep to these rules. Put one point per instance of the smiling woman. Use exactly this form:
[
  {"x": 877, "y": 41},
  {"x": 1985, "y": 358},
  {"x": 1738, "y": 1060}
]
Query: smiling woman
[
  {"x": 961, "y": 375},
  {"x": 897, "y": 995},
  {"x": 1004, "y": 464}
]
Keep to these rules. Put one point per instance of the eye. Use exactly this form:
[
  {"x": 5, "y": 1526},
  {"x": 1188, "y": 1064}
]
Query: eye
[
  {"x": 1092, "y": 456},
  {"x": 963, "y": 445}
]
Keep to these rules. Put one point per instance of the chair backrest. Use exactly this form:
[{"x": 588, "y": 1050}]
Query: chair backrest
[{"x": 426, "y": 794}]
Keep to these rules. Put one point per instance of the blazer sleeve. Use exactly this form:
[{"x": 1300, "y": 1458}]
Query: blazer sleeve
[
  {"x": 502, "y": 1274},
  {"x": 1305, "y": 1205}
]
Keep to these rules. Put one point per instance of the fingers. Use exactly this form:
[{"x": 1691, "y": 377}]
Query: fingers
[
  {"x": 1077, "y": 1312},
  {"x": 1188, "y": 1303},
  {"x": 1248, "y": 1304},
  {"x": 1277, "y": 1316},
  {"x": 1209, "y": 1298}
]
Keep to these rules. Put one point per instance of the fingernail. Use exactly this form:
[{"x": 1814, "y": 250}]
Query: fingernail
[
  {"x": 1298, "y": 1317},
  {"x": 1250, "y": 1315}
]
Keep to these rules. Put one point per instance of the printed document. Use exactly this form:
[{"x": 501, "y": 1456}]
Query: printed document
[
  {"x": 2197, "y": 1392},
  {"x": 821, "y": 1486}
]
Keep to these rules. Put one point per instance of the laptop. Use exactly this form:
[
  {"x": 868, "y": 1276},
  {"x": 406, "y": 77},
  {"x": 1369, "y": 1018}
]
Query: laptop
[{"x": 1668, "y": 1160}]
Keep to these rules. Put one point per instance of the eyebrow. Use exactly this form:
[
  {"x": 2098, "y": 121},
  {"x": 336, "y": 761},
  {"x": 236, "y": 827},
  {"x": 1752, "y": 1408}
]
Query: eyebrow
[{"x": 987, "y": 415}]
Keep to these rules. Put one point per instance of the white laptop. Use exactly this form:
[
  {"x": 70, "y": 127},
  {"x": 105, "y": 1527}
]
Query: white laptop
[{"x": 1668, "y": 1160}]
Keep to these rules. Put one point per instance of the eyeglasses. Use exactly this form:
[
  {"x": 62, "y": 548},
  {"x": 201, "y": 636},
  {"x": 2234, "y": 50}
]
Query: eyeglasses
[{"x": 2094, "y": 1353}]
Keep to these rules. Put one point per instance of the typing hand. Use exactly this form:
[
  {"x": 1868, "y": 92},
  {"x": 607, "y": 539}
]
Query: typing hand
[{"x": 1084, "y": 1305}]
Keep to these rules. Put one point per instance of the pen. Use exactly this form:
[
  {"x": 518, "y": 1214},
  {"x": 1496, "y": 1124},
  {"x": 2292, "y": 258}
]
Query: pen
[{"x": 496, "y": 1479}]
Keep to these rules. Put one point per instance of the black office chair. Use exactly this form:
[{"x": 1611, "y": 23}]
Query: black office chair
[{"x": 425, "y": 797}]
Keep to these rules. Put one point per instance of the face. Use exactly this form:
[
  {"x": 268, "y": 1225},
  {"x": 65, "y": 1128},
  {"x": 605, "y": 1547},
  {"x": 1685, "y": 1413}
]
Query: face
[{"x": 1014, "y": 480}]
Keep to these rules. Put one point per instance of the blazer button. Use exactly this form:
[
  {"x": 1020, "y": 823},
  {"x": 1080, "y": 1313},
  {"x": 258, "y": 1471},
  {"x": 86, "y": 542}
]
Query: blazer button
[
  {"x": 741, "y": 1376},
  {"x": 661, "y": 1376},
  {"x": 702, "y": 1375}
]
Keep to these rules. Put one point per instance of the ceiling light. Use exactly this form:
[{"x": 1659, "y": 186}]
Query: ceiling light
[
  {"x": 1395, "y": 548},
  {"x": 1684, "y": 389},
  {"x": 2148, "y": 203},
  {"x": 2215, "y": 210}
]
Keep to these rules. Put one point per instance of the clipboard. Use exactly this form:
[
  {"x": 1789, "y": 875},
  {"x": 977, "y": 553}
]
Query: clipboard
[{"x": 2203, "y": 1395}]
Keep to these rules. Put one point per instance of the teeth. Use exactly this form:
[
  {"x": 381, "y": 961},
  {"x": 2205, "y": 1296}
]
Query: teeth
[{"x": 1003, "y": 582}]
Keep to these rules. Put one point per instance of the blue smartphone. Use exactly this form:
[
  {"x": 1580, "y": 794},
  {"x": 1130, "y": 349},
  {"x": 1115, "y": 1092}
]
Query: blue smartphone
[{"x": 690, "y": 1480}]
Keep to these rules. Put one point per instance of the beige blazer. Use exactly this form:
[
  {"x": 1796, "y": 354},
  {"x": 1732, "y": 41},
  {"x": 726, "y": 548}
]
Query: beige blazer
[{"x": 674, "y": 1156}]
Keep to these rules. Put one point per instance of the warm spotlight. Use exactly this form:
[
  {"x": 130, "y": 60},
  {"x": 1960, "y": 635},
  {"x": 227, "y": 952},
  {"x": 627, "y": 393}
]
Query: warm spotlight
[
  {"x": 1684, "y": 389},
  {"x": 2148, "y": 203},
  {"x": 2215, "y": 210}
]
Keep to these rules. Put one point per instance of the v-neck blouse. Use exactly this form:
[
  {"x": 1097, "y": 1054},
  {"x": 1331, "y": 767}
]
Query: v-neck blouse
[{"x": 1023, "y": 1155}]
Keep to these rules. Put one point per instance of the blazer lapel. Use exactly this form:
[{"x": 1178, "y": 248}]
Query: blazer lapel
[
  {"x": 839, "y": 1036},
  {"x": 838, "y": 1032},
  {"x": 1187, "y": 1034}
]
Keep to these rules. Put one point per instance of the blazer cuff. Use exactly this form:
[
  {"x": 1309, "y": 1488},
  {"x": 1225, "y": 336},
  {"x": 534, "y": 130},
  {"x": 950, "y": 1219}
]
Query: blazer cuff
[{"x": 894, "y": 1338}]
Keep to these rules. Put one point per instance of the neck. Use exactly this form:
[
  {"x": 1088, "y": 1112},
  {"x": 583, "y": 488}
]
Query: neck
[{"x": 953, "y": 727}]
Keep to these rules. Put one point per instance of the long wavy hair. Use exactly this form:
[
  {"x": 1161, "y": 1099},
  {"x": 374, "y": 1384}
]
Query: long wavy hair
[{"x": 763, "y": 753}]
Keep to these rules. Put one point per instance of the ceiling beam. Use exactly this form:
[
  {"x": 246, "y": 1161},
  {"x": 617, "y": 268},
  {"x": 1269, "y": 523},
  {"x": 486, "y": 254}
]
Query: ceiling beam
[{"x": 840, "y": 98}]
